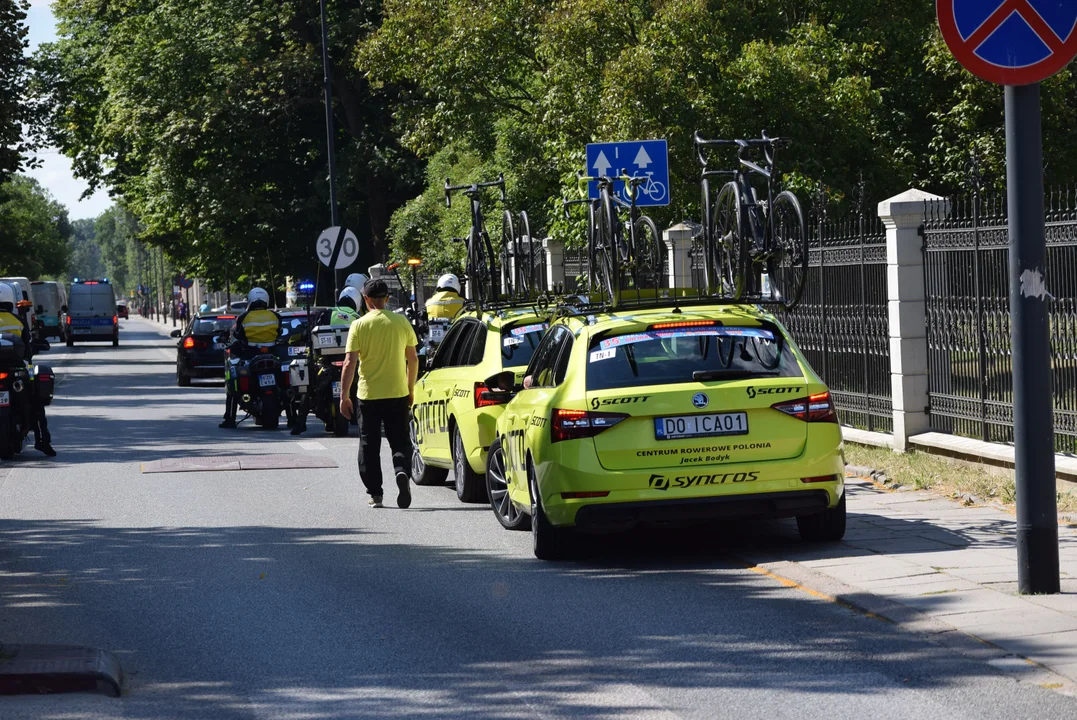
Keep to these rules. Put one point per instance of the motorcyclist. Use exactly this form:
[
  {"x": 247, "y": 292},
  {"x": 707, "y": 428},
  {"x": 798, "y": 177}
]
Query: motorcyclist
[
  {"x": 446, "y": 303},
  {"x": 356, "y": 281},
  {"x": 256, "y": 329},
  {"x": 343, "y": 315},
  {"x": 13, "y": 322}
]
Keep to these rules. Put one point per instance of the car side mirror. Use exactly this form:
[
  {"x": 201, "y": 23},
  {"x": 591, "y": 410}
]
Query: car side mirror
[{"x": 175, "y": 333}]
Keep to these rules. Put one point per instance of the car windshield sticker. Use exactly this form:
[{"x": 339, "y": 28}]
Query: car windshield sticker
[
  {"x": 603, "y": 354},
  {"x": 510, "y": 341},
  {"x": 685, "y": 332},
  {"x": 527, "y": 329}
]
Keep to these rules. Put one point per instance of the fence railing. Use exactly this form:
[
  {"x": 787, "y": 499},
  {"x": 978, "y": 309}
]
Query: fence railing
[
  {"x": 966, "y": 283},
  {"x": 841, "y": 322}
]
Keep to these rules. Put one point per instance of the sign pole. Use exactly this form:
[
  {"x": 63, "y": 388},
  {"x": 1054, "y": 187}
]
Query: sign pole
[
  {"x": 1033, "y": 433},
  {"x": 329, "y": 133}
]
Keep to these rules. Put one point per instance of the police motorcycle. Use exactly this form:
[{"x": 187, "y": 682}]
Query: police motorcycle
[
  {"x": 316, "y": 377},
  {"x": 415, "y": 313},
  {"x": 257, "y": 378},
  {"x": 19, "y": 383}
]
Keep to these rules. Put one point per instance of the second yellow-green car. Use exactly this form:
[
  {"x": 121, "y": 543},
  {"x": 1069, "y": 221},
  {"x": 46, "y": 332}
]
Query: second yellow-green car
[{"x": 665, "y": 415}]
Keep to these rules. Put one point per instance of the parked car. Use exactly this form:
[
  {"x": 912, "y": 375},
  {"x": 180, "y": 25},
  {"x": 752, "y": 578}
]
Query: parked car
[
  {"x": 121, "y": 309},
  {"x": 50, "y": 301}
]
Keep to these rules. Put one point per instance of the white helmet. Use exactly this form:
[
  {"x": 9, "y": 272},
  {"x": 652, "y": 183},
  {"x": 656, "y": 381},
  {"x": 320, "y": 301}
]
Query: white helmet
[
  {"x": 352, "y": 294},
  {"x": 356, "y": 280},
  {"x": 7, "y": 294},
  {"x": 258, "y": 295},
  {"x": 449, "y": 282}
]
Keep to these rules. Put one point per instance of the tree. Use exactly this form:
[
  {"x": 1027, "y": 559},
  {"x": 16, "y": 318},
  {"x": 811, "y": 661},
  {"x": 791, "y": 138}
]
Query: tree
[
  {"x": 13, "y": 62},
  {"x": 34, "y": 231}
]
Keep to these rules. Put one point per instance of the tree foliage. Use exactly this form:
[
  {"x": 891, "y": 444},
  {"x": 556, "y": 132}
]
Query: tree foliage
[
  {"x": 34, "y": 231},
  {"x": 13, "y": 108}
]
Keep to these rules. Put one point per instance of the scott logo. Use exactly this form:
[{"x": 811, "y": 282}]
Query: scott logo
[
  {"x": 753, "y": 391},
  {"x": 596, "y": 403},
  {"x": 659, "y": 482}
]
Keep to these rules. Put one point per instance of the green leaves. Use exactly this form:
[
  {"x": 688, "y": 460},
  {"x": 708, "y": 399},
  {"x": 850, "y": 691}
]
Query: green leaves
[
  {"x": 14, "y": 111},
  {"x": 33, "y": 231}
]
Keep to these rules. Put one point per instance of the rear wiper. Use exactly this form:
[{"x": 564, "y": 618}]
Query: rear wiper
[
  {"x": 631, "y": 360},
  {"x": 704, "y": 375}
]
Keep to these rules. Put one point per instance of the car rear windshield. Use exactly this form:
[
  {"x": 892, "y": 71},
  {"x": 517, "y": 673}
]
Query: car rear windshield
[
  {"x": 687, "y": 354},
  {"x": 210, "y": 326},
  {"x": 47, "y": 295},
  {"x": 518, "y": 343}
]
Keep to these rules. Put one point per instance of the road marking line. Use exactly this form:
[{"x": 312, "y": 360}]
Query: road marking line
[
  {"x": 312, "y": 445},
  {"x": 814, "y": 593}
]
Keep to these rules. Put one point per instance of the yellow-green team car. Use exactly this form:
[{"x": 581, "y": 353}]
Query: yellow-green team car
[
  {"x": 662, "y": 415},
  {"x": 454, "y": 414}
]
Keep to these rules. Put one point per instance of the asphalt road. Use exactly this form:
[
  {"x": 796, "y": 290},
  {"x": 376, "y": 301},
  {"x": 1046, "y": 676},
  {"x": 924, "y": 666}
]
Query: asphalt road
[{"x": 279, "y": 594}]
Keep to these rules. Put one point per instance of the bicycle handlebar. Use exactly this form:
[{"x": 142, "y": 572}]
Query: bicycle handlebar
[
  {"x": 768, "y": 144},
  {"x": 473, "y": 188}
]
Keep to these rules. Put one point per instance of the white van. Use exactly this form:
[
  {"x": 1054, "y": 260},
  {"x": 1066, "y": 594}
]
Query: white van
[
  {"x": 25, "y": 294},
  {"x": 91, "y": 312},
  {"x": 50, "y": 302}
]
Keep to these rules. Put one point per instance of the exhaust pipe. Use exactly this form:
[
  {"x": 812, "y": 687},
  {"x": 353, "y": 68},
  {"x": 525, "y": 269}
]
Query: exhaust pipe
[{"x": 17, "y": 386}]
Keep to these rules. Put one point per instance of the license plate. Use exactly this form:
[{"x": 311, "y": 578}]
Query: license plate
[
  {"x": 336, "y": 389},
  {"x": 218, "y": 346},
  {"x": 83, "y": 331},
  {"x": 293, "y": 351},
  {"x": 267, "y": 380},
  {"x": 5, "y": 398},
  {"x": 437, "y": 333},
  {"x": 709, "y": 425},
  {"x": 327, "y": 340}
]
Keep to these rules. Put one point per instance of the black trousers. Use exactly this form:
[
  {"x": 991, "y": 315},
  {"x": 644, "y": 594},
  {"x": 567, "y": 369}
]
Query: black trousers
[{"x": 396, "y": 415}]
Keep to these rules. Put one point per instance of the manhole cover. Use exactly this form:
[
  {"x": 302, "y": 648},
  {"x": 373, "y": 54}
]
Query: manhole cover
[
  {"x": 278, "y": 461},
  {"x": 58, "y": 668}
]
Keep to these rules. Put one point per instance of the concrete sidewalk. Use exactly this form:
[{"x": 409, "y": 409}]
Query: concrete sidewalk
[{"x": 911, "y": 556}]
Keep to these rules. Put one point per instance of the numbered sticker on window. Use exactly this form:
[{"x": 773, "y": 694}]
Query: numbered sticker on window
[
  {"x": 510, "y": 341},
  {"x": 603, "y": 354}
]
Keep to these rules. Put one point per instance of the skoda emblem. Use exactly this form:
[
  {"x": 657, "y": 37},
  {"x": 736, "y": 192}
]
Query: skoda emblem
[{"x": 700, "y": 400}]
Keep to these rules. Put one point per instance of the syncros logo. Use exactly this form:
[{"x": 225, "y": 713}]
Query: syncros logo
[
  {"x": 596, "y": 403},
  {"x": 753, "y": 391},
  {"x": 661, "y": 482}
]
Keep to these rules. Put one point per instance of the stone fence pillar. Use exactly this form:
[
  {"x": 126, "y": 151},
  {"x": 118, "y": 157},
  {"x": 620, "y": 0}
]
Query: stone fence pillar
[
  {"x": 678, "y": 246},
  {"x": 555, "y": 262}
]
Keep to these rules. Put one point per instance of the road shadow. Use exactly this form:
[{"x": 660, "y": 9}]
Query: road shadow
[{"x": 342, "y": 623}]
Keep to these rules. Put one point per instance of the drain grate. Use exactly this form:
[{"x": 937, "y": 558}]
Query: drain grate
[
  {"x": 58, "y": 668},
  {"x": 273, "y": 461}
]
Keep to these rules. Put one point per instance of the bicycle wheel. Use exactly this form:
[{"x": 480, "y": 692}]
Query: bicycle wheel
[
  {"x": 594, "y": 284},
  {"x": 510, "y": 248},
  {"x": 787, "y": 264},
  {"x": 525, "y": 258},
  {"x": 489, "y": 265},
  {"x": 648, "y": 253},
  {"x": 728, "y": 246},
  {"x": 710, "y": 272},
  {"x": 606, "y": 265},
  {"x": 476, "y": 274}
]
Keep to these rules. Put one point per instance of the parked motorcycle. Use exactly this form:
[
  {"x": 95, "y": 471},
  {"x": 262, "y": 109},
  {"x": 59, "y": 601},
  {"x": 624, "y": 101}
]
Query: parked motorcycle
[
  {"x": 319, "y": 374},
  {"x": 18, "y": 382}
]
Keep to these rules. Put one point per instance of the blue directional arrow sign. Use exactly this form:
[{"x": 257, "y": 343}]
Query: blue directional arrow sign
[{"x": 635, "y": 158}]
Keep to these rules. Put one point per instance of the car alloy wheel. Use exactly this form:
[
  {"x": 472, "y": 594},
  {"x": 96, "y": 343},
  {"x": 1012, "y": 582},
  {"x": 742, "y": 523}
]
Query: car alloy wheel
[{"x": 497, "y": 487}]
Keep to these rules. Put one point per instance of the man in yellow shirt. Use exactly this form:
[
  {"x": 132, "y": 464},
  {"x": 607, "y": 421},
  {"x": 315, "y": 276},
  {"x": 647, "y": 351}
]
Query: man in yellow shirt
[{"x": 384, "y": 342}]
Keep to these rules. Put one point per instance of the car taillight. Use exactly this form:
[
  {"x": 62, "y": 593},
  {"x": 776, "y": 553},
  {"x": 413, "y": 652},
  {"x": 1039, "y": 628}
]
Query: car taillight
[
  {"x": 114, "y": 320},
  {"x": 485, "y": 398},
  {"x": 682, "y": 324},
  {"x": 3, "y": 376},
  {"x": 188, "y": 343},
  {"x": 68, "y": 319},
  {"x": 815, "y": 408},
  {"x": 576, "y": 424},
  {"x": 821, "y": 478}
]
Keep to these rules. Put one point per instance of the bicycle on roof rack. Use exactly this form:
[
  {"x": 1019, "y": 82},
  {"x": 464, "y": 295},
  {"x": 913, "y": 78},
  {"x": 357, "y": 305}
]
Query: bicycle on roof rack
[
  {"x": 481, "y": 271},
  {"x": 754, "y": 248},
  {"x": 620, "y": 250},
  {"x": 518, "y": 253}
]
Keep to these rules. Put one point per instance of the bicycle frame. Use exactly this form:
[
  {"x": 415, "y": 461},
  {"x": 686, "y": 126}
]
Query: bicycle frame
[{"x": 477, "y": 236}]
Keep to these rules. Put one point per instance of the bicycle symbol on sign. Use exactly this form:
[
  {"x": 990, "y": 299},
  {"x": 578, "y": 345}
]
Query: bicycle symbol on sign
[{"x": 653, "y": 189}]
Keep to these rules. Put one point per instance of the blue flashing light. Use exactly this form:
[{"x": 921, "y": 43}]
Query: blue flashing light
[
  {"x": 76, "y": 279},
  {"x": 306, "y": 286}
]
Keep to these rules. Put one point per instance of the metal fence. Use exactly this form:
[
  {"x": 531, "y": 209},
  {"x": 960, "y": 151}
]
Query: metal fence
[
  {"x": 842, "y": 322},
  {"x": 966, "y": 276}
]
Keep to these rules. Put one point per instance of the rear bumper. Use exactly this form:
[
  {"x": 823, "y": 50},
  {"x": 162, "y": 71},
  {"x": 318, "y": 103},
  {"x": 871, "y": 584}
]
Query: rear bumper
[{"x": 689, "y": 511}]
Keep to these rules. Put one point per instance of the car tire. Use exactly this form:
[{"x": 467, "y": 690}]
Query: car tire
[
  {"x": 497, "y": 489},
  {"x": 548, "y": 541},
  {"x": 421, "y": 473},
  {"x": 183, "y": 379},
  {"x": 470, "y": 486},
  {"x": 827, "y": 526},
  {"x": 115, "y": 342}
]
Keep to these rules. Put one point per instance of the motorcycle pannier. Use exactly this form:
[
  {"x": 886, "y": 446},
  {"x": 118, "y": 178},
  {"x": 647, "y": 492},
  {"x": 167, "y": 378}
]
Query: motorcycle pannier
[
  {"x": 12, "y": 349},
  {"x": 45, "y": 382},
  {"x": 330, "y": 340},
  {"x": 300, "y": 378}
]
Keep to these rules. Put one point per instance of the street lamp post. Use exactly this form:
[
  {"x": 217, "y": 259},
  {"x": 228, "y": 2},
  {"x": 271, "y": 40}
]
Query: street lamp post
[{"x": 329, "y": 134}]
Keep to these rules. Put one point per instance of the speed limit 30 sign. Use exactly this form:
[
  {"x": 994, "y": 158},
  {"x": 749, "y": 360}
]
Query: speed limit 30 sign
[{"x": 337, "y": 247}]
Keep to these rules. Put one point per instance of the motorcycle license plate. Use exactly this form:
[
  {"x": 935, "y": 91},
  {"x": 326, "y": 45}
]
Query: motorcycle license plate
[
  {"x": 336, "y": 389},
  {"x": 267, "y": 380},
  {"x": 5, "y": 398},
  {"x": 327, "y": 341},
  {"x": 293, "y": 351},
  {"x": 437, "y": 334}
]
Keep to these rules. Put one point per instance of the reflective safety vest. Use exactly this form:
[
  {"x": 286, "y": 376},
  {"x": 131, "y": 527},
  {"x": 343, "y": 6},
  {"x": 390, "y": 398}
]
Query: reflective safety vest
[
  {"x": 260, "y": 327},
  {"x": 10, "y": 323},
  {"x": 342, "y": 317},
  {"x": 444, "y": 305}
]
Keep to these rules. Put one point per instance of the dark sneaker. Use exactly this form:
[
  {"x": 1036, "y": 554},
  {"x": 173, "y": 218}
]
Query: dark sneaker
[
  {"x": 299, "y": 429},
  {"x": 45, "y": 447},
  {"x": 375, "y": 501},
  {"x": 403, "y": 500},
  {"x": 227, "y": 424}
]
